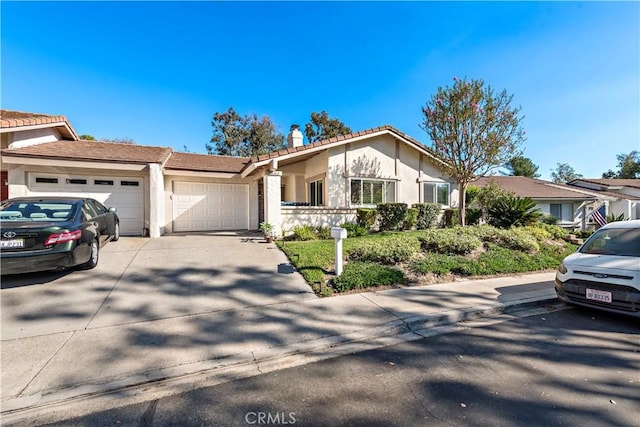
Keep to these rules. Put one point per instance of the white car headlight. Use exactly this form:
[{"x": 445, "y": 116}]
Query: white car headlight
[{"x": 562, "y": 269}]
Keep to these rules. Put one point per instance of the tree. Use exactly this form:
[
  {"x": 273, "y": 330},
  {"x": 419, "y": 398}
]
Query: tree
[
  {"x": 473, "y": 130},
  {"x": 628, "y": 166},
  {"x": 87, "y": 137},
  {"x": 235, "y": 135},
  {"x": 521, "y": 166},
  {"x": 564, "y": 173},
  {"x": 324, "y": 127}
]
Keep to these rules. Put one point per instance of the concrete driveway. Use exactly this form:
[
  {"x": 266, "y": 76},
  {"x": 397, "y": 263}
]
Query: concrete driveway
[{"x": 138, "y": 282}]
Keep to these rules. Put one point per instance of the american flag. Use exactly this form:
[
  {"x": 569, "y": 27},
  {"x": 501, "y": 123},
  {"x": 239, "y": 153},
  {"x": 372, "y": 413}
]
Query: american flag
[{"x": 599, "y": 215}]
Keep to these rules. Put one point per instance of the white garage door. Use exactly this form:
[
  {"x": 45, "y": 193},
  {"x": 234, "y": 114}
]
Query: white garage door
[
  {"x": 199, "y": 206},
  {"x": 124, "y": 193}
]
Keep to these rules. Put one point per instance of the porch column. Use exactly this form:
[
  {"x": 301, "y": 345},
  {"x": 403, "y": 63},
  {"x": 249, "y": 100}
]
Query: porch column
[
  {"x": 272, "y": 181},
  {"x": 156, "y": 200}
]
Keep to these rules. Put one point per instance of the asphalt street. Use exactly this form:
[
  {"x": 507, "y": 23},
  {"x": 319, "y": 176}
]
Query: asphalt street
[{"x": 569, "y": 367}]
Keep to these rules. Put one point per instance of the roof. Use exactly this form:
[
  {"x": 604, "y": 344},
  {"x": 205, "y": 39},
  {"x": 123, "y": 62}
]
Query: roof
[
  {"x": 523, "y": 186},
  {"x": 345, "y": 138},
  {"x": 93, "y": 151},
  {"x": 613, "y": 182},
  {"x": 10, "y": 119},
  {"x": 206, "y": 163}
]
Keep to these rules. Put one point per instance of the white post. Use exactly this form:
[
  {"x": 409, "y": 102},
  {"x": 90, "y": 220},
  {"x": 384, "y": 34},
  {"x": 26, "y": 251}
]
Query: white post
[
  {"x": 338, "y": 235},
  {"x": 272, "y": 207}
]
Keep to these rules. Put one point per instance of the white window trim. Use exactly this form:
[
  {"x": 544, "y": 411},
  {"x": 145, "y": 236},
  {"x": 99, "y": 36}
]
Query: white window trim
[
  {"x": 384, "y": 191},
  {"x": 315, "y": 181},
  {"x": 435, "y": 192}
]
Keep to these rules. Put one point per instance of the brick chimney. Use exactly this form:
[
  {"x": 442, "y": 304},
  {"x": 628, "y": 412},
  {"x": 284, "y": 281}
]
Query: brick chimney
[{"x": 294, "y": 139}]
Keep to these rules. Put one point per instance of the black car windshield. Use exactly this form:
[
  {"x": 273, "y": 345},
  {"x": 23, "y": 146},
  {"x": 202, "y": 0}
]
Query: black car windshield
[
  {"x": 40, "y": 210},
  {"x": 614, "y": 241}
]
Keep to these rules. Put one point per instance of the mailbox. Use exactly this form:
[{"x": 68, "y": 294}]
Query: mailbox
[{"x": 338, "y": 233}]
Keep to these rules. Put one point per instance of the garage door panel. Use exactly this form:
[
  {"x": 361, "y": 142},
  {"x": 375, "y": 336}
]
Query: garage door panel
[
  {"x": 128, "y": 199},
  {"x": 210, "y": 206}
]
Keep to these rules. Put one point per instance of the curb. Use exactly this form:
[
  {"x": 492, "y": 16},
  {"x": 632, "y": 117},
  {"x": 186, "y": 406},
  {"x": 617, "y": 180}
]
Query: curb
[{"x": 173, "y": 380}]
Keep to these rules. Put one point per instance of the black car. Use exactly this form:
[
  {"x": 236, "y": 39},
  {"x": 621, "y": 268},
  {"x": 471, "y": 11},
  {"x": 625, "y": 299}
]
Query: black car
[{"x": 49, "y": 233}]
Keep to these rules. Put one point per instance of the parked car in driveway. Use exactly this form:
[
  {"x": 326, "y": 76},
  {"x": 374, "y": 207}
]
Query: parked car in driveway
[
  {"x": 49, "y": 233},
  {"x": 605, "y": 271}
]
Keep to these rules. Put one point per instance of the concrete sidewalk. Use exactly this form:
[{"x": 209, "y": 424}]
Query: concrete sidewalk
[{"x": 118, "y": 364}]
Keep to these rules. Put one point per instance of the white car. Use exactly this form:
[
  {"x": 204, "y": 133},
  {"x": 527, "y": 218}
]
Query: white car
[{"x": 605, "y": 271}]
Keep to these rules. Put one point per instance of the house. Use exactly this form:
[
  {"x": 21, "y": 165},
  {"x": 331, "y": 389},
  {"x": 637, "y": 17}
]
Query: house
[
  {"x": 622, "y": 195},
  {"x": 570, "y": 206},
  {"x": 573, "y": 203},
  {"x": 157, "y": 190}
]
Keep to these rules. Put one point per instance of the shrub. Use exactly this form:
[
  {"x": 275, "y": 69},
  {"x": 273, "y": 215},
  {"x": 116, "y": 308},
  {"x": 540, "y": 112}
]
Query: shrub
[
  {"x": 355, "y": 230},
  {"x": 323, "y": 233},
  {"x": 539, "y": 233},
  {"x": 440, "y": 264},
  {"x": 411, "y": 219},
  {"x": 388, "y": 251},
  {"x": 449, "y": 241},
  {"x": 304, "y": 232},
  {"x": 473, "y": 216},
  {"x": 515, "y": 238},
  {"x": 427, "y": 215},
  {"x": 391, "y": 215},
  {"x": 556, "y": 231},
  {"x": 450, "y": 217},
  {"x": 366, "y": 217},
  {"x": 511, "y": 210},
  {"x": 359, "y": 275},
  {"x": 548, "y": 219}
]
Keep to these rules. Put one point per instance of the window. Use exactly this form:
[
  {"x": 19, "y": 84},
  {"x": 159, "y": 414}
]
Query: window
[
  {"x": 562, "y": 211},
  {"x": 437, "y": 192},
  {"x": 316, "y": 193},
  {"x": 46, "y": 180},
  {"x": 76, "y": 181},
  {"x": 103, "y": 182},
  {"x": 366, "y": 192},
  {"x": 130, "y": 183}
]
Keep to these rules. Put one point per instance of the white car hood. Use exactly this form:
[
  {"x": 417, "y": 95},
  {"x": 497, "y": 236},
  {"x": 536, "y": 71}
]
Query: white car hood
[{"x": 595, "y": 261}]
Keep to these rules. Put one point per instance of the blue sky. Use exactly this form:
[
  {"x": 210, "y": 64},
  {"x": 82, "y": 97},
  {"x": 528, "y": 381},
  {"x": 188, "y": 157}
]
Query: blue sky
[{"x": 156, "y": 72}]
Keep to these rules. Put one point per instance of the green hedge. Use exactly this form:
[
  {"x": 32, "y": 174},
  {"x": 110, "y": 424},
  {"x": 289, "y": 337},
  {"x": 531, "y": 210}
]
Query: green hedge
[
  {"x": 449, "y": 241},
  {"x": 366, "y": 217},
  {"x": 391, "y": 215},
  {"x": 359, "y": 275},
  {"x": 427, "y": 215},
  {"x": 355, "y": 230},
  {"x": 387, "y": 251},
  {"x": 411, "y": 219}
]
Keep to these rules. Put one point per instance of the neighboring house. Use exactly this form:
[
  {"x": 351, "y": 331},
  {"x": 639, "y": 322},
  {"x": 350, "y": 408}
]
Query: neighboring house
[
  {"x": 157, "y": 190},
  {"x": 18, "y": 129},
  {"x": 622, "y": 195},
  {"x": 571, "y": 206}
]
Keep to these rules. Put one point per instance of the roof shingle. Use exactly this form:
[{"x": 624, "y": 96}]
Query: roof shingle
[
  {"x": 523, "y": 186},
  {"x": 334, "y": 139},
  {"x": 206, "y": 163},
  {"x": 93, "y": 151}
]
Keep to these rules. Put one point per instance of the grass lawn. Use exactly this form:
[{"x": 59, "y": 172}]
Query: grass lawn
[{"x": 402, "y": 258}]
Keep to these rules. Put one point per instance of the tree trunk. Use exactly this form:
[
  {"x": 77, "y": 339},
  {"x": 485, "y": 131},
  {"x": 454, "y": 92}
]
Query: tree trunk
[{"x": 462, "y": 189}]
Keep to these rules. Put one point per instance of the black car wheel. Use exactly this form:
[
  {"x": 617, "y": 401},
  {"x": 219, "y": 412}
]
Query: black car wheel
[
  {"x": 116, "y": 233},
  {"x": 93, "y": 259}
]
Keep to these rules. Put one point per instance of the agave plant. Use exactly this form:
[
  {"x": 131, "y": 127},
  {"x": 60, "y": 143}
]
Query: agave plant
[
  {"x": 512, "y": 210},
  {"x": 613, "y": 218}
]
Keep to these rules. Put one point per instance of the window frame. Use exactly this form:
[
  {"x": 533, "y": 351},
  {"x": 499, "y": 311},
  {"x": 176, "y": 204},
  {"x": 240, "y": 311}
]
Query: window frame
[
  {"x": 372, "y": 181},
  {"x": 319, "y": 195},
  {"x": 435, "y": 193}
]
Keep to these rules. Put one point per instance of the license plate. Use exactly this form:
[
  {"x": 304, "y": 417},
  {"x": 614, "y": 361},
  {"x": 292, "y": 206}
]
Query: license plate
[
  {"x": 16, "y": 243},
  {"x": 601, "y": 296}
]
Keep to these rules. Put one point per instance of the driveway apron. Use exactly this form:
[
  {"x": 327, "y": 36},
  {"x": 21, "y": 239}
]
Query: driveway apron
[{"x": 144, "y": 293}]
